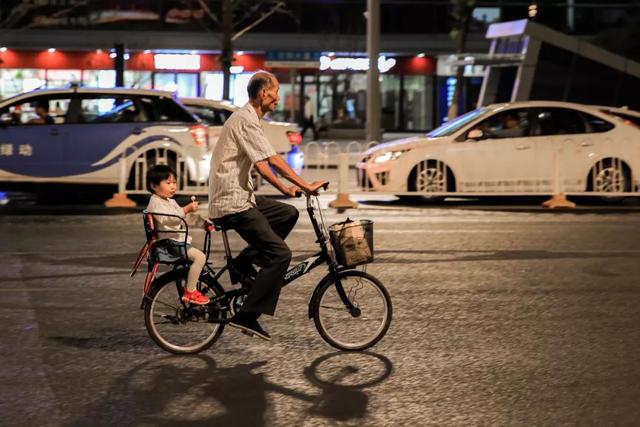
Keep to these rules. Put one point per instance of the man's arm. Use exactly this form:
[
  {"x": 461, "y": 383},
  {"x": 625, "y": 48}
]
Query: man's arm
[
  {"x": 263, "y": 169},
  {"x": 283, "y": 168}
]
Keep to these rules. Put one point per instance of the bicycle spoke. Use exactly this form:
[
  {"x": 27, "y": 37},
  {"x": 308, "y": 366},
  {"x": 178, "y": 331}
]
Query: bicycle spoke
[
  {"x": 353, "y": 330},
  {"x": 328, "y": 307},
  {"x": 169, "y": 305},
  {"x": 181, "y": 329}
]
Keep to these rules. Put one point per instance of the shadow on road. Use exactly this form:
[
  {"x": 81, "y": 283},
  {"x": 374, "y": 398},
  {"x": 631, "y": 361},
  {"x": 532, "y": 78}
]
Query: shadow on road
[
  {"x": 514, "y": 204},
  {"x": 193, "y": 390}
]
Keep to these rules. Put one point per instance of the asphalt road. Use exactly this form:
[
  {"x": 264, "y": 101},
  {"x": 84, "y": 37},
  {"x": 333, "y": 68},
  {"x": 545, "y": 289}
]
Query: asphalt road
[{"x": 502, "y": 316}]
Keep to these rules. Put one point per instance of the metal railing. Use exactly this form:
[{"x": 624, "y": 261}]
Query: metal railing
[{"x": 346, "y": 166}]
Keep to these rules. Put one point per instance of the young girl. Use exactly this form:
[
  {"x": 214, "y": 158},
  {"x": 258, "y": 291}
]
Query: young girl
[{"x": 161, "y": 181}]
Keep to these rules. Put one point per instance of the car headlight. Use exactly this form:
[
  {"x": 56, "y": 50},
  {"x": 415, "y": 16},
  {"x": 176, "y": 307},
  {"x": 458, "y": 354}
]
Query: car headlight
[{"x": 388, "y": 156}]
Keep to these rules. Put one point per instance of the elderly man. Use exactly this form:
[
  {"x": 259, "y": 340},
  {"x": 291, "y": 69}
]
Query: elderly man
[{"x": 263, "y": 223}]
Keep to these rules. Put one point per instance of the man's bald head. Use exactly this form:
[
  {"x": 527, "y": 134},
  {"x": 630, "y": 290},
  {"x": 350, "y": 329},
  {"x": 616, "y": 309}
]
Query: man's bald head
[{"x": 260, "y": 80}]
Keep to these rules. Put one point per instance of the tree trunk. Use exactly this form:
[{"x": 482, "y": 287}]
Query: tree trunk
[
  {"x": 119, "y": 64},
  {"x": 226, "y": 58}
]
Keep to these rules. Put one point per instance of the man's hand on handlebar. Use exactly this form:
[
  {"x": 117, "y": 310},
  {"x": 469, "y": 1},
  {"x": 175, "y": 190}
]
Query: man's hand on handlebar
[
  {"x": 310, "y": 190},
  {"x": 294, "y": 191},
  {"x": 315, "y": 186}
]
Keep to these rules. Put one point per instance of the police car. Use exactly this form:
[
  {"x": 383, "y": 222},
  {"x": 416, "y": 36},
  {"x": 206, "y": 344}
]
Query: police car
[{"x": 79, "y": 135}]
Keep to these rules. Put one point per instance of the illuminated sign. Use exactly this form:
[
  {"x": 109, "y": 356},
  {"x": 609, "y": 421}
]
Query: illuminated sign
[
  {"x": 355, "y": 64},
  {"x": 166, "y": 61},
  {"x": 292, "y": 59}
]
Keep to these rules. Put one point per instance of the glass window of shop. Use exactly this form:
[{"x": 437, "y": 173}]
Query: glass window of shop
[
  {"x": 99, "y": 78},
  {"x": 417, "y": 103},
  {"x": 407, "y": 101},
  {"x": 63, "y": 78},
  {"x": 184, "y": 84},
  {"x": 342, "y": 100},
  {"x": 138, "y": 79},
  {"x": 211, "y": 85},
  {"x": 16, "y": 81},
  {"x": 239, "y": 82},
  {"x": 288, "y": 108},
  {"x": 390, "y": 98}
]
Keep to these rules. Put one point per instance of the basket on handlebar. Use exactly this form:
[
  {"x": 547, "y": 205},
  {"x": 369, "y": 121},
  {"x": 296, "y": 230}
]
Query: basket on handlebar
[{"x": 352, "y": 242}]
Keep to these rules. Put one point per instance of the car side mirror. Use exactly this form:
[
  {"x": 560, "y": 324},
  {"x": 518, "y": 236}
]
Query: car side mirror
[{"x": 476, "y": 135}]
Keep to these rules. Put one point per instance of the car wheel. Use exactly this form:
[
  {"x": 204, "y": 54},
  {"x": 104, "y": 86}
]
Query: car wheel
[
  {"x": 609, "y": 176},
  {"x": 431, "y": 176}
]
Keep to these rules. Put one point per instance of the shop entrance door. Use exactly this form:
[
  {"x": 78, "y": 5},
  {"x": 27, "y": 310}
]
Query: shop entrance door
[{"x": 185, "y": 84}]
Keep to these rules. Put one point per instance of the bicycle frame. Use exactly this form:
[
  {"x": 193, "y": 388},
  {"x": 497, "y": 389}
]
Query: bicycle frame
[
  {"x": 304, "y": 267},
  {"x": 299, "y": 270}
]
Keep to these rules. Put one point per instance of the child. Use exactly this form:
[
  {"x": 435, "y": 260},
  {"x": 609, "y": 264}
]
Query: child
[{"x": 161, "y": 181}]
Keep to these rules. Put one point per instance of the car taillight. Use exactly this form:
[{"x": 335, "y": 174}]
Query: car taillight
[
  {"x": 199, "y": 134},
  {"x": 295, "y": 138}
]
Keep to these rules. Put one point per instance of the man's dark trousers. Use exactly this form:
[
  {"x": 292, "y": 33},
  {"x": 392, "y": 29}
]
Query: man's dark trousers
[{"x": 264, "y": 228}]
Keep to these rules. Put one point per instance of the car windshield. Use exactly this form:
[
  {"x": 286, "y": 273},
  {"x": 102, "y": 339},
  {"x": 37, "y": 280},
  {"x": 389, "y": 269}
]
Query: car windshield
[
  {"x": 627, "y": 118},
  {"x": 457, "y": 123}
]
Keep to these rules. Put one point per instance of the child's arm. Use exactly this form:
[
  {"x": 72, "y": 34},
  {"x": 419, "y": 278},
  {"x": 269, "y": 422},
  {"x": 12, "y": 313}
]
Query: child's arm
[{"x": 191, "y": 207}]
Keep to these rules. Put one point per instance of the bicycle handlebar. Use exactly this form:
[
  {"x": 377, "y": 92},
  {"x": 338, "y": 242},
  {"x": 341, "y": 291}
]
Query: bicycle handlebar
[{"x": 325, "y": 187}]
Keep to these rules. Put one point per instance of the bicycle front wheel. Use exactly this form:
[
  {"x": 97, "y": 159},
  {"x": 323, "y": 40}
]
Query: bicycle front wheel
[
  {"x": 181, "y": 329},
  {"x": 360, "y": 327}
]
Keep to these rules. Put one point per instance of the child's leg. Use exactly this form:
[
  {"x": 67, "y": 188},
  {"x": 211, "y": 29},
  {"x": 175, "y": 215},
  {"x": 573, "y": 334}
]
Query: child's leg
[{"x": 198, "y": 260}]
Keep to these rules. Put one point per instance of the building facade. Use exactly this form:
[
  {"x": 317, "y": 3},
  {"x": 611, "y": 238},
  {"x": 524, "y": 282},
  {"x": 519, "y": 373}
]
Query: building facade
[{"x": 317, "y": 49}]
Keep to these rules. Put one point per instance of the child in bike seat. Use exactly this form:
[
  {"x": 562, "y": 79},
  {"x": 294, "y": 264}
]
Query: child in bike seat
[{"x": 161, "y": 181}]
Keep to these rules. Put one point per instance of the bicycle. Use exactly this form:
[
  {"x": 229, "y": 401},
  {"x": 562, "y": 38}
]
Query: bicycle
[{"x": 351, "y": 308}]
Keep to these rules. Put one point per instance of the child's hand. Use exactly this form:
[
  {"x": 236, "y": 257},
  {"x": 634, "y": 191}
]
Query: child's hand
[{"x": 193, "y": 206}]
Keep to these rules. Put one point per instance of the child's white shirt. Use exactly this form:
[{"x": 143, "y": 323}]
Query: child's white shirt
[{"x": 158, "y": 204}]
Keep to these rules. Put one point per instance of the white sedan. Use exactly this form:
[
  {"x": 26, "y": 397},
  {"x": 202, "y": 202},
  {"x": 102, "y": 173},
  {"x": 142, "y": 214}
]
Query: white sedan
[
  {"x": 282, "y": 135},
  {"x": 520, "y": 148}
]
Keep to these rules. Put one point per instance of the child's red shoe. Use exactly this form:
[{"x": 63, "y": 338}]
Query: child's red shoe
[{"x": 194, "y": 297}]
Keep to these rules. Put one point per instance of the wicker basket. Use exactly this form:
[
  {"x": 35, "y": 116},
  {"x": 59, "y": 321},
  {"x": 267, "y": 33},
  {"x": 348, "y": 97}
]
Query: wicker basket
[{"x": 352, "y": 242}]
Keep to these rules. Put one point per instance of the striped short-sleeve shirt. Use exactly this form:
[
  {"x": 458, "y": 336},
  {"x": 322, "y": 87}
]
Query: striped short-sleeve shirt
[{"x": 241, "y": 144}]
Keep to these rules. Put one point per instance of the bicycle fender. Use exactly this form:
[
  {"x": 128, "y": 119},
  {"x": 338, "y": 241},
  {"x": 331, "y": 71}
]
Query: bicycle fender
[
  {"x": 315, "y": 297},
  {"x": 169, "y": 276}
]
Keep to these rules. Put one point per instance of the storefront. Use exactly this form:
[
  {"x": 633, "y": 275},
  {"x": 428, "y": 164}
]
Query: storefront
[
  {"x": 336, "y": 85},
  {"x": 337, "y": 88},
  {"x": 187, "y": 74}
]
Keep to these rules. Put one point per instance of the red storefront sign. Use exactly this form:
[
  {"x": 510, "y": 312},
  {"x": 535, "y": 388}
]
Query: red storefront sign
[
  {"x": 144, "y": 61},
  {"x": 102, "y": 60}
]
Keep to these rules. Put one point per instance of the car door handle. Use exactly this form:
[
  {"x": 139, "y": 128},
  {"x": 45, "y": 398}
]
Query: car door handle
[
  {"x": 586, "y": 144},
  {"x": 54, "y": 132},
  {"x": 137, "y": 131},
  {"x": 523, "y": 147}
]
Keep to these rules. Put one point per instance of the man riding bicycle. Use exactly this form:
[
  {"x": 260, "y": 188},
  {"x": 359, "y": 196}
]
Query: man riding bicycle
[{"x": 262, "y": 222}]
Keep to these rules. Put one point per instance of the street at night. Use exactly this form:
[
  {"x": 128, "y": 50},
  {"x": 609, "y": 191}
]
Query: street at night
[
  {"x": 501, "y": 316},
  {"x": 476, "y": 263}
]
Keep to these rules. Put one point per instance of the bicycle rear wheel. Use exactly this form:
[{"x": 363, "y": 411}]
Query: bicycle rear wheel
[
  {"x": 181, "y": 329},
  {"x": 356, "y": 329}
]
